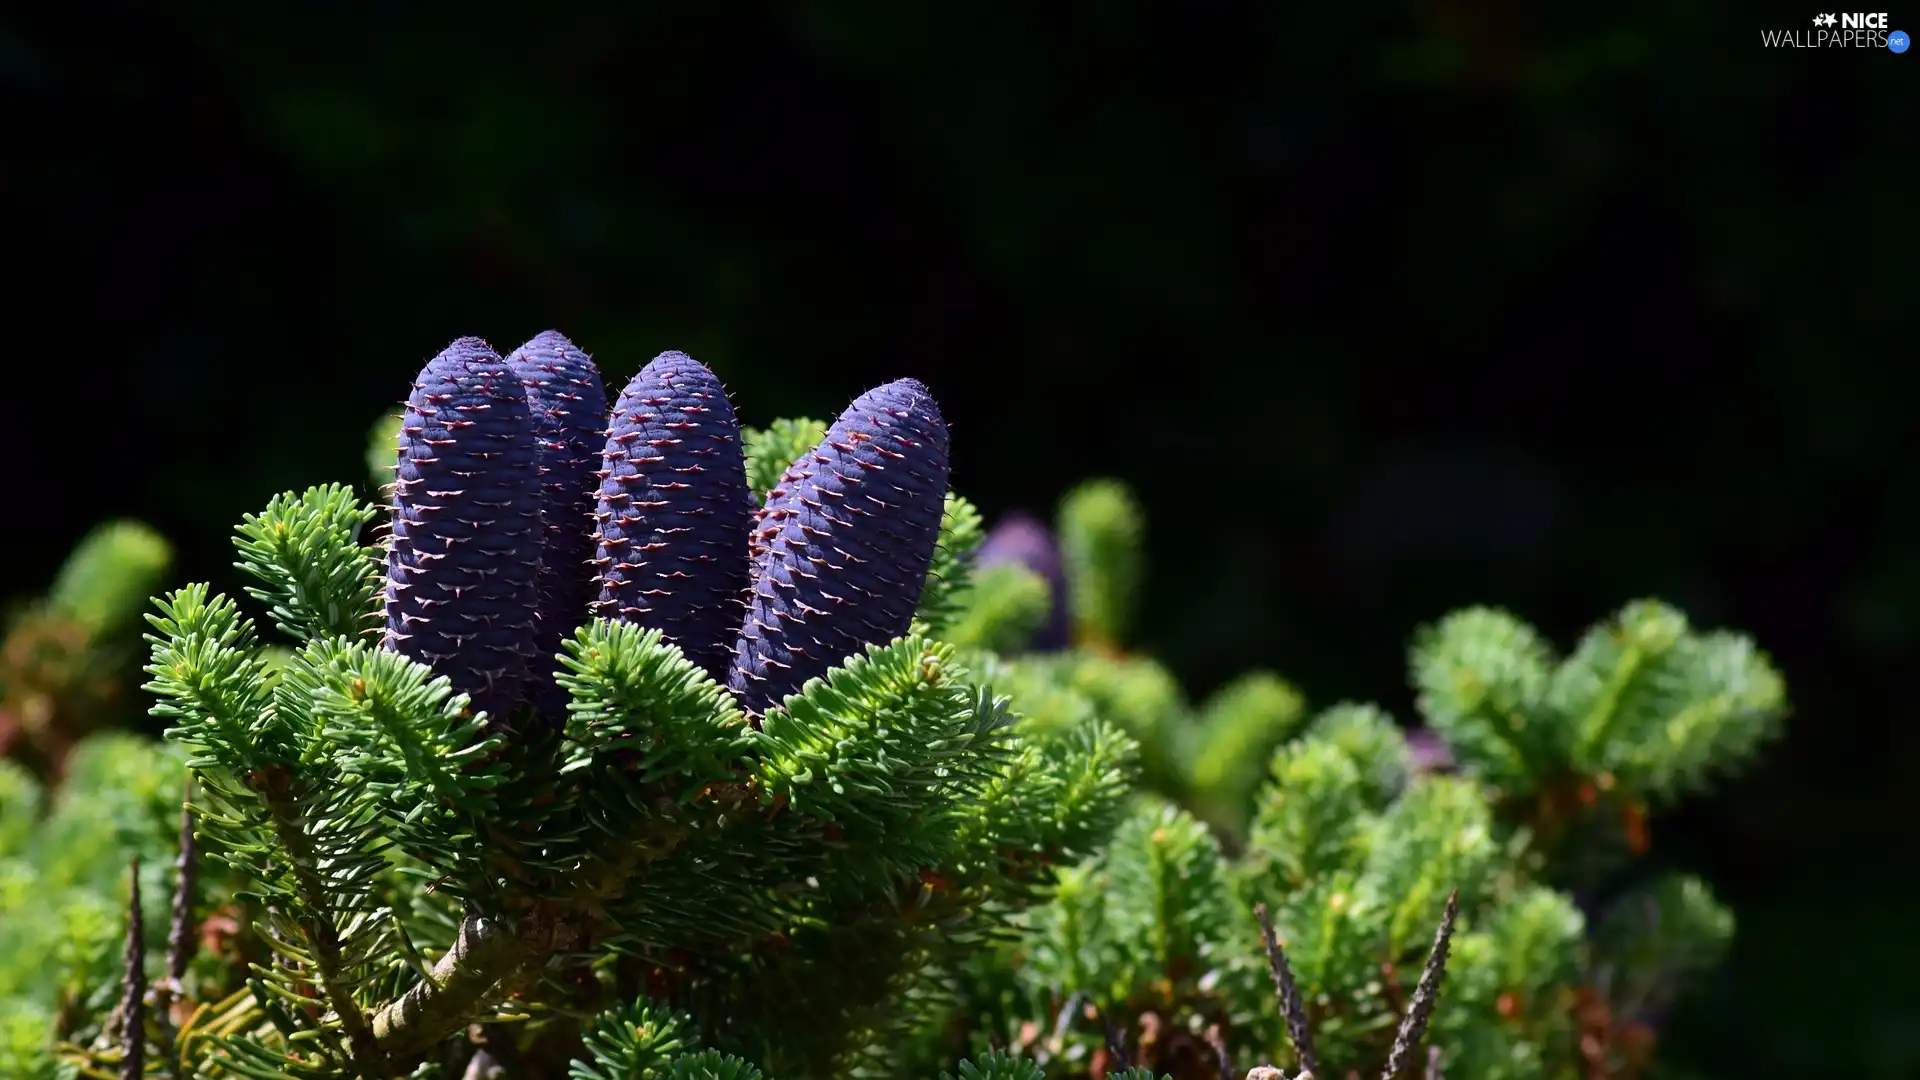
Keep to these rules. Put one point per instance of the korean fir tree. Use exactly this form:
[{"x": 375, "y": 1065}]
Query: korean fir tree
[
  {"x": 1521, "y": 796},
  {"x": 779, "y": 797}
]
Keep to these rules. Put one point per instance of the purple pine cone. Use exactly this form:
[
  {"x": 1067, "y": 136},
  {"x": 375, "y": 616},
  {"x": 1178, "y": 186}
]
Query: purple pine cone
[
  {"x": 1020, "y": 538},
  {"x": 672, "y": 539},
  {"x": 569, "y": 406},
  {"x": 465, "y": 546},
  {"x": 1431, "y": 752},
  {"x": 855, "y": 520}
]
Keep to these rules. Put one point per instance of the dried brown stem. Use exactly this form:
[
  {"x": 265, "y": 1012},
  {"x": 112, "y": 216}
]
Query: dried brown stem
[
  {"x": 186, "y": 869},
  {"x": 1425, "y": 993},
  {"x": 1291, "y": 1006},
  {"x": 133, "y": 1007}
]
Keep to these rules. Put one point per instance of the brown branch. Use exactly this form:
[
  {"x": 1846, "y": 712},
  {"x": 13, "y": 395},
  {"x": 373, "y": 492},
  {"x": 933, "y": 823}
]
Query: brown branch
[
  {"x": 133, "y": 1007},
  {"x": 1290, "y": 1004},
  {"x": 484, "y": 952},
  {"x": 1425, "y": 994},
  {"x": 180, "y": 943}
]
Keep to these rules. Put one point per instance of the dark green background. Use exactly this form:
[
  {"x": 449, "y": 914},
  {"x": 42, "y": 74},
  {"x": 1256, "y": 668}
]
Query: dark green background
[{"x": 1383, "y": 311}]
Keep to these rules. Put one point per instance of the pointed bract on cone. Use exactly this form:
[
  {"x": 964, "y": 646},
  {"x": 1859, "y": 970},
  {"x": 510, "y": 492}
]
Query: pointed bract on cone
[
  {"x": 671, "y": 547},
  {"x": 851, "y": 533},
  {"x": 466, "y": 527},
  {"x": 569, "y": 407}
]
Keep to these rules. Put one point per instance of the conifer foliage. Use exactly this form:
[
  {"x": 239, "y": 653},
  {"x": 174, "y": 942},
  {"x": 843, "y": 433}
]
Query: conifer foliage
[
  {"x": 1354, "y": 844},
  {"x": 672, "y": 877},
  {"x": 648, "y": 746}
]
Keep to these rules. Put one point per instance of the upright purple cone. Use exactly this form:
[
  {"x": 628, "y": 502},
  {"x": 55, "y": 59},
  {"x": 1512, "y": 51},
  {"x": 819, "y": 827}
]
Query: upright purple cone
[
  {"x": 569, "y": 407},
  {"x": 672, "y": 542},
  {"x": 465, "y": 546},
  {"x": 1021, "y": 538},
  {"x": 850, "y": 535}
]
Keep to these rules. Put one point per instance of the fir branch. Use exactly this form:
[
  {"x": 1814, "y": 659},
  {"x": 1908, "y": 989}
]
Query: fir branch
[
  {"x": 133, "y": 1026},
  {"x": 1311, "y": 816},
  {"x": 106, "y": 580},
  {"x": 1367, "y": 735},
  {"x": 877, "y": 743},
  {"x": 210, "y": 677},
  {"x": 999, "y": 609},
  {"x": 1438, "y": 836},
  {"x": 318, "y": 896},
  {"x": 632, "y": 1041},
  {"x": 1291, "y": 1006},
  {"x": 637, "y": 697},
  {"x": 1482, "y": 675},
  {"x": 950, "y": 577},
  {"x": 402, "y": 738},
  {"x": 1237, "y": 732},
  {"x": 712, "y": 1065},
  {"x": 484, "y": 952},
  {"x": 1660, "y": 705},
  {"x": 304, "y": 549},
  {"x": 1060, "y": 795},
  {"x": 998, "y": 1065},
  {"x": 1101, "y": 552},
  {"x": 1425, "y": 993},
  {"x": 770, "y": 450}
]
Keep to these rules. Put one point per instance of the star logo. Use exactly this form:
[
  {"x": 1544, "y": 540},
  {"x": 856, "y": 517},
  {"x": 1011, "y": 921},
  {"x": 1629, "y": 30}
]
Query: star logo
[{"x": 1824, "y": 20}]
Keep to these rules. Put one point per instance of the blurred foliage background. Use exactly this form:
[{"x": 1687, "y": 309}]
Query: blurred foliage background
[{"x": 1382, "y": 313}]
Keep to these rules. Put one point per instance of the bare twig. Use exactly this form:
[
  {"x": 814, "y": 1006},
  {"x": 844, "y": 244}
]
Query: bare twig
[
  {"x": 133, "y": 1007},
  {"x": 1433, "y": 1063},
  {"x": 1414, "y": 1025},
  {"x": 1291, "y": 1006},
  {"x": 186, "y": 871},
  {"x": 180, "y": 943}
]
